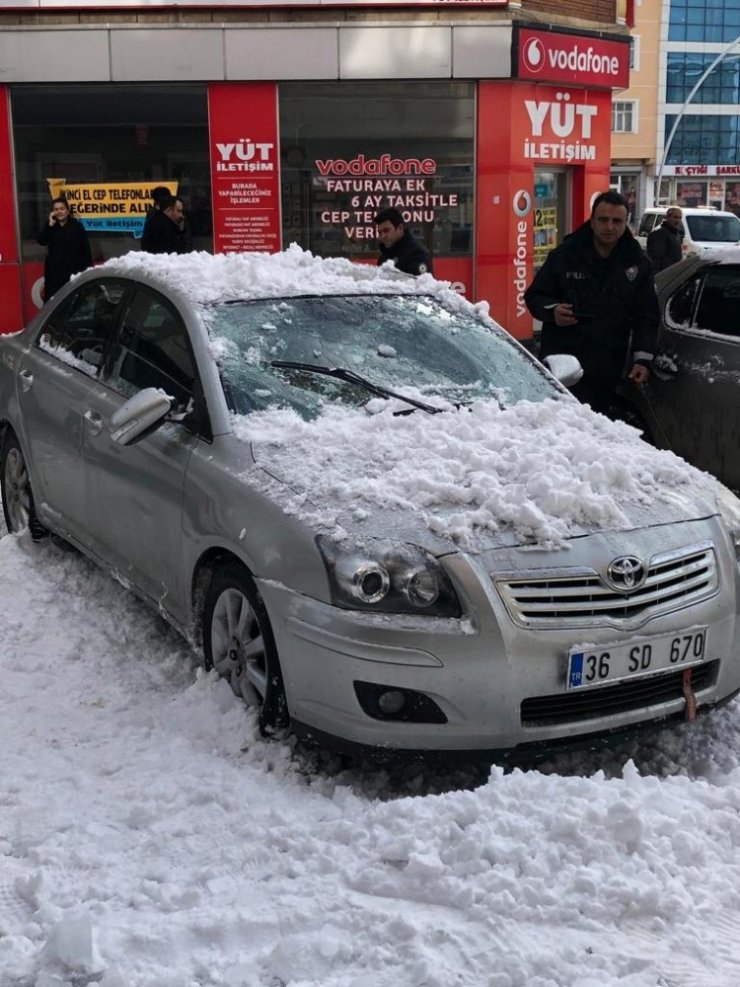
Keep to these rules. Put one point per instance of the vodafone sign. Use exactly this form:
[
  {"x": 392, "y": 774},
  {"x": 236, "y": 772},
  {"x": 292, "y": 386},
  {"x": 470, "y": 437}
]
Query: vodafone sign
[{"x": 551, "y": 56}]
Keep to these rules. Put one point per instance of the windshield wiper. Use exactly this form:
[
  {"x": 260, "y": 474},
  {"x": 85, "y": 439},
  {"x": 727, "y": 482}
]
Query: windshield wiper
[{"x": 352, "y": 378}]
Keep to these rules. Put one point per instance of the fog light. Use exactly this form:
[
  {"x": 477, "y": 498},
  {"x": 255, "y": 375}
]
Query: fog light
[{"x": 391, "y": 702}]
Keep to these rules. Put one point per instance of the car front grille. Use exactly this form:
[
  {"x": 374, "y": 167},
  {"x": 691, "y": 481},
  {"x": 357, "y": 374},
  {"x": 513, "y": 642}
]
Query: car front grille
[
  {"x": 590, "y": 704},
  {"x": 580, "y": 597}
]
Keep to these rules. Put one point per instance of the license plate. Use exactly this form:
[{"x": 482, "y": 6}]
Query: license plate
[{"x": 613, "y": 662}]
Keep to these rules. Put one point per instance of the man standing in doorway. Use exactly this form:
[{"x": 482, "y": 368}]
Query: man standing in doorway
[
  {"x": 664, "y": 244},
  {"x": 397, "y": 244},
  {"x": 595, "y": 296}
]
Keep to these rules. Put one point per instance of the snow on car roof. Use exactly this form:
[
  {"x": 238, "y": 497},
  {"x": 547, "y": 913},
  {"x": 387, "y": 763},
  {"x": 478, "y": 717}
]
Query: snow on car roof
[{"x": 207, "y": 278}]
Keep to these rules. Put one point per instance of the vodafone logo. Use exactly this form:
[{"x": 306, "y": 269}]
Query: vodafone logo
[
  {"x": 534, "y": 55},
  {"x": 572, "y": 58},
  {"x": 522, "y": 203}
]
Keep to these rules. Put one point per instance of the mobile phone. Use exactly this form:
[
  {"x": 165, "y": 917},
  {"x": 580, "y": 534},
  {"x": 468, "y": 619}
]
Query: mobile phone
[{"x": 582, "y": 316}]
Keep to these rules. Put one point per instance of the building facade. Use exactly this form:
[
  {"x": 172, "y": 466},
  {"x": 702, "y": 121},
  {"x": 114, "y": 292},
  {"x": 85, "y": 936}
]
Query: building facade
[
  {"x": 487, "y": 122},
  {"x": 678, "y": 45}
]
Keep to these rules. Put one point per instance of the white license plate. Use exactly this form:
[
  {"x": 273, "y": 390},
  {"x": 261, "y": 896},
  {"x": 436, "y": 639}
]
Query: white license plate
[{"x": 613, "y": 662}]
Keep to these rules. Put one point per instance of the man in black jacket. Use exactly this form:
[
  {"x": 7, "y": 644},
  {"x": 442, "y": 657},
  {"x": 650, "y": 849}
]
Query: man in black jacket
[
  {"x": 595, "y": 295},
  {"x": 397, "y": 244},
  {"x": 165, "y": 233},
  {"x": 664, "y": 244},
  {"x": 68, "y": 247}
]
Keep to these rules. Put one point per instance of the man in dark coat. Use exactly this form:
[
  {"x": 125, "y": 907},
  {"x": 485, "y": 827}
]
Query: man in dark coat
[
  {"x": 153, "y": 217},
  {"x": 664, "y": 244},
  {"x": 165, "y": 234},
  {"x": 68, "y": 249},
  {"x": 397, "y": 244},
  {"x": 595, "y": 296}
]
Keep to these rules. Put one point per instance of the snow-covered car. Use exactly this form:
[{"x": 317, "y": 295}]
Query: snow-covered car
[
  {"x": 382, "y": 520},
  {"x": 691, "y": 403}
]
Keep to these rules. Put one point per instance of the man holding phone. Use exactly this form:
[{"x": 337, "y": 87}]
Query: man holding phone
[{"x": 595, "y": 296}]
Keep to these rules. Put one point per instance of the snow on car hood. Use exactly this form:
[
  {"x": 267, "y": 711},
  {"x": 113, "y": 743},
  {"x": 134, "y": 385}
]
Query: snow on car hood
[{"x": 537, "y": 473}]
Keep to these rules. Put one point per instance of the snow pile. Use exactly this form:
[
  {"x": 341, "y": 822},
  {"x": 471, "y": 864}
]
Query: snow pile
[
  {"x": 149, "y": 838},
  {"x": 542, "y": 469}
]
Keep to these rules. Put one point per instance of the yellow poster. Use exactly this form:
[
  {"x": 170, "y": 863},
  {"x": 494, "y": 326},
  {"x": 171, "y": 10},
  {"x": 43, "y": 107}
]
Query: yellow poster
[{"x": 118, "y": 207}]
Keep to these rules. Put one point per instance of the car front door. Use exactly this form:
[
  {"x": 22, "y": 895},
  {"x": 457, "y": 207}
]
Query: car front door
[
  {"x": 136, "y": 491},
  {"x": 696, "y": 393},
  {"x": 55, "y": 380}
]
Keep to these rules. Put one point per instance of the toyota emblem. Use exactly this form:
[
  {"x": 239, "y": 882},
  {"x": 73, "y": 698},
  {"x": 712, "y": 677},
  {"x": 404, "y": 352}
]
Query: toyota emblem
[{"x": 626, "y": 573}]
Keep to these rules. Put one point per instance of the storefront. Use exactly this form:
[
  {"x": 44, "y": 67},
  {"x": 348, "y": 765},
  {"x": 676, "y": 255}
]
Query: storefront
[{"x": 490, "y": 173}]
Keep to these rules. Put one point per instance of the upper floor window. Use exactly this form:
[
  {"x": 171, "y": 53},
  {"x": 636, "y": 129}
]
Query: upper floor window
[
  {"x": 704, "y": 20},
  {"x": 624, "y": 116}
]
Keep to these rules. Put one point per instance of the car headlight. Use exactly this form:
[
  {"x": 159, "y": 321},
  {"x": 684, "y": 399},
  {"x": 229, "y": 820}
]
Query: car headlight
[
  {"x": 728, "y": 506},
  {"x": 388, "y": 579}
]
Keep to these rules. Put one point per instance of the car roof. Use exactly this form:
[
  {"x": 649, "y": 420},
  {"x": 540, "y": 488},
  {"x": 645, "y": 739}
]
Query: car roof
[
  {"x": 688, "y": 211},
  {"x": 203, "y": 279}
]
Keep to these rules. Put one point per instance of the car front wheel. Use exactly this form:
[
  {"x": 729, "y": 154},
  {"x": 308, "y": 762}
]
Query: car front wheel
[
  {"x": 15, "y": 487},
  {"x": 238, "y": 642}
]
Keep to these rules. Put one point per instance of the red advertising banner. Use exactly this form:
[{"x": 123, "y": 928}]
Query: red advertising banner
[
  {"x": 524, "y": 128},
  {"x": 245, "y": 173},
  {"x": 578, "y": 60},
  {"x": 11, "y": 317}
]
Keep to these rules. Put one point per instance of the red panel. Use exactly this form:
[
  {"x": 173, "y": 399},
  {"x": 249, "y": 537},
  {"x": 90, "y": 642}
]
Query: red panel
[
  {"x": 520, "y": 126},
  {"x": 11, "y": 317},
  {"x": 11, "y": 314},
  {"x": 549, "y": 56},
  {"x": 245, "y": 172}
]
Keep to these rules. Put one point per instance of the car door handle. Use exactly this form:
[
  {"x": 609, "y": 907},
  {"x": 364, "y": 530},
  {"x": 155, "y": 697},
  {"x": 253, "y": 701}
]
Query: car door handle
[
  {"x": 26, "y": 380},
  {"x": 93, "y": 422}
]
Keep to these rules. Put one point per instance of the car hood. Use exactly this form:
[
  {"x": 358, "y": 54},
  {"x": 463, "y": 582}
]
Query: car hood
[{"x": 538, "y": 474}]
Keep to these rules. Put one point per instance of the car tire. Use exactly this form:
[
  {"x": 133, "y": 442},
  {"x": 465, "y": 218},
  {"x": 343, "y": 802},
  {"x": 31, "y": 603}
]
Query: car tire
[
  {"x": 15, "y": 488},
  {"x": 238, "y": 642}
]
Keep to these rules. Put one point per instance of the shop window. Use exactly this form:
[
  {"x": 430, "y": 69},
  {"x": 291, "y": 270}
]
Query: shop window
[
  {"x": 349, "y": 149},
  {"x": 109, "y": 144}
]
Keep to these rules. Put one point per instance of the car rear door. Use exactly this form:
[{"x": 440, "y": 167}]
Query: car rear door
[
  {"x": 697, "y": 401},
  {"x": 55, "y": 379},
  {"x": 136, "y": 491}
]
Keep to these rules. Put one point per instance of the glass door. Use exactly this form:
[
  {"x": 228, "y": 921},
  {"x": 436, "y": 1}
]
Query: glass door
[{"x": 552, "y": 195}]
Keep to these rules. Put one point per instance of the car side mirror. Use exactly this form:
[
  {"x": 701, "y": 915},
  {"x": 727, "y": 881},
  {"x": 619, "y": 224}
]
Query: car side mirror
[
  {"x": 564, "y": 367},
  {"x": 140, "y": 415}
]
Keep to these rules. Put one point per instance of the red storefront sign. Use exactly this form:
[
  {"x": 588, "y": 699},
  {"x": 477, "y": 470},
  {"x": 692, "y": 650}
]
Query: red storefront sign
[
  {"x": 245, "y": 172},
  {"x": 551, "y": 56},
  {"x": 11, "y": 317},
  {"x": 520, "y": 127}
]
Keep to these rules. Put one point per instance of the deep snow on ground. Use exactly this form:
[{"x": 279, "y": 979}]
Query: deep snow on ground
[{"x": 150, "y": 838}]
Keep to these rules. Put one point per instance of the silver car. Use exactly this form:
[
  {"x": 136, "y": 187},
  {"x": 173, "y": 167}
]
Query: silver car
[
  {"x": 691, "y": 403},
  {"x": 382, "y": 521}
]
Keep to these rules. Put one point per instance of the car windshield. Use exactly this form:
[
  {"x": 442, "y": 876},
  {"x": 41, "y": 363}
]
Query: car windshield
[
  {"x": 408, "y": 345},
  {"x": 714, "y": 229}
]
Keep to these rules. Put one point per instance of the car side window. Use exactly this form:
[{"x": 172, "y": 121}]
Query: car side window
[
  {"x": 153, "y": 350},
  {"x": 719, "y": 302},
  {"x": 680, "y": 307},
  {"x": 646, "y": 224},
  {"x": 78, "y": 331}
]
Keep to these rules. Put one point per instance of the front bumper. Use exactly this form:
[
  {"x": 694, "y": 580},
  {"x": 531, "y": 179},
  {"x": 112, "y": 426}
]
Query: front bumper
[{"x": 499, "y": 685}]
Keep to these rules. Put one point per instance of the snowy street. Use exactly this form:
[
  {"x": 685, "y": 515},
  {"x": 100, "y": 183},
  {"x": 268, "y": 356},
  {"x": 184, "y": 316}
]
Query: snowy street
[{"x": 149, "y": 838}]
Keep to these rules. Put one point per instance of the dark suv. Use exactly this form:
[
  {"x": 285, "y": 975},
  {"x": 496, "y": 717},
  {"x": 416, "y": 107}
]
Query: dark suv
[{"x": 692, "y": 401}]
